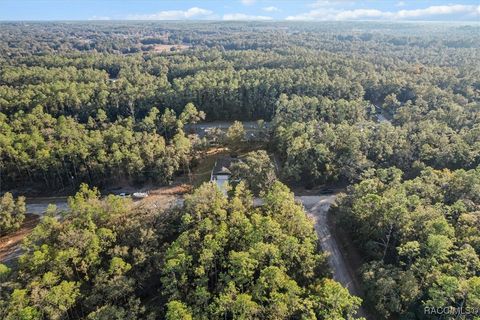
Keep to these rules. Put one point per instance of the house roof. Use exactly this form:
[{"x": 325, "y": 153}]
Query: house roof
[{"x": 222, "y": 166}]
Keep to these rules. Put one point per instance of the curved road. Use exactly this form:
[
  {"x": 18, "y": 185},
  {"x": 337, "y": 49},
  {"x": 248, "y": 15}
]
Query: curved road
[
  {"x": 317, "y": 208},
  {"x": 39, "y": 205}
]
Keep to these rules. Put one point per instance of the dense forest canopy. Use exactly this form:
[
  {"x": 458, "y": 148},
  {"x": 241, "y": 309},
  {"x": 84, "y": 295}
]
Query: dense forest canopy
[
  {"x": 420, "y": 237},
  {"x": 391, "y": 109},
  {"x": 213, "y": 258},
  {"x": 422, "y": 77}
]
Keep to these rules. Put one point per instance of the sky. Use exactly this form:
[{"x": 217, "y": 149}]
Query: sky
[{"x": 261, "y": 10}]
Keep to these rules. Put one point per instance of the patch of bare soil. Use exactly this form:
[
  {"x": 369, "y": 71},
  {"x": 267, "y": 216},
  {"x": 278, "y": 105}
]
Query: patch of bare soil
[
  {"x": 350, "y": 253},
  {"x": 10, "y": 243},
  {"x": 163, "y": 197},
  {"x": 170, "y": 47},
  {"x": 353, "y": 259}
]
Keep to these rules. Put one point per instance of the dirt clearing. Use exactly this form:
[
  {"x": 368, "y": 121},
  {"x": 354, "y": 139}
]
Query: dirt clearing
[
  {"x": 10, "y": 244},
  {"x": 170, "y": 47}
]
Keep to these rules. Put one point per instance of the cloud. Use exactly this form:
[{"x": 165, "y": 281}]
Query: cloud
[
  {"x": 244, "y": 17},
  {"x": 330, "y": 13},
  {"x": 192, "y": 13},
  {"x": 316, "y": 14},
  {"x": 359, "y": 14},
  {"x": 400, "y": 3},
  {"x": 330, "y": 3},
  {"x": 271, "y": 9},
  {"x": 99, "y": 18},
  {"x": 248, "y": 2},
  {"x": 434, "y": 10}
]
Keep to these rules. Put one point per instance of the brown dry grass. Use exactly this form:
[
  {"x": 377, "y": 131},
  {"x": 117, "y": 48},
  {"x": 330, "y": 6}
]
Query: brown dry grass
[{"x": 163, "y": 197}]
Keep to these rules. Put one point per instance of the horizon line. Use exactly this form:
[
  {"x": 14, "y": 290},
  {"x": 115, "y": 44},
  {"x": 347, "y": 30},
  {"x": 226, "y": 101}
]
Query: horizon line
[{"x": 226, "y": 21}]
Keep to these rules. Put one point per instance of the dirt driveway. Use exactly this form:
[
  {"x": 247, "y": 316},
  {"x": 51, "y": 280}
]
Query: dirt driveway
[{"x": 317, "y": 208}]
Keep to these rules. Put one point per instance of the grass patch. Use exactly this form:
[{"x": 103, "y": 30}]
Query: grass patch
[{"x": 201, "y": 173}]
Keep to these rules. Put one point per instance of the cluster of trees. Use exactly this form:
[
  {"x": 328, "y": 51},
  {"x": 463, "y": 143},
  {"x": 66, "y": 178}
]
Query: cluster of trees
[
  {"x": 322, "y": 140},
  {"x": 221, "y": 83},
  {"x": 78, "y": 86},
  {"x": 256, "y": 170},
  {"x": 234, "y": 261},
  {"x": 36, "y": 148},
  {"x": 91, "y": 102},
  {"x": 318, "y": 86},
  {"x": 90, "y": 263},
  {"x": 232, "y": 71},
  {"x": 420, "y": 238},
  {"x": 233, "y": 138},
  {"x": 214, "y": 258},
  {"x": 12, "y": 213}
]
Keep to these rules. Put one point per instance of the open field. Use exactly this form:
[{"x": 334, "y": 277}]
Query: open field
[{"x": 170, "y": 47}]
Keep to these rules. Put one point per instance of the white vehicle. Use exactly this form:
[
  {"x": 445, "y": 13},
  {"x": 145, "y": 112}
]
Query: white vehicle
[{"x": 139, "y": 195}]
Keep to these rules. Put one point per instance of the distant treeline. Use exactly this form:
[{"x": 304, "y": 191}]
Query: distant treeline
[{"x": 318, "y": 86}]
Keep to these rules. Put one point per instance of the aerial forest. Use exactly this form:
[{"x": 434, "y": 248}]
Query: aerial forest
[
  {"x": 388, "y": 112},
  {"x": 322, "y": 91}
]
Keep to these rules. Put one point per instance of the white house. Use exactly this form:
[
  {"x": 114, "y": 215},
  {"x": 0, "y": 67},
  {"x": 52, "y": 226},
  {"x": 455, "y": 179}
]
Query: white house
[{"x": 221, "y": 173}]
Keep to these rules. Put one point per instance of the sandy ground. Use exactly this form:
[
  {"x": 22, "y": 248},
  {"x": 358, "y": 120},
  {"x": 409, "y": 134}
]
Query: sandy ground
[
  {"x": 10, "y": 244},
  {"x": 317, "y": 208},
  {"x": 163, "y": 197}
]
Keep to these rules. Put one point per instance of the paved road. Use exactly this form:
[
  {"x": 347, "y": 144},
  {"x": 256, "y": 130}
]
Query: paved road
[
  {"x": 13, "y": 255},
  {"x": 317, "y": 208},
  {"x": 39, "y": 206}
]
